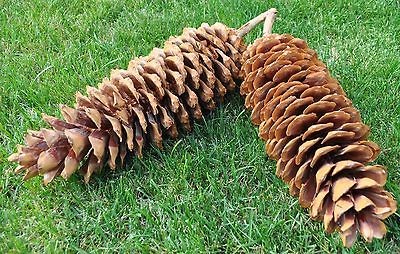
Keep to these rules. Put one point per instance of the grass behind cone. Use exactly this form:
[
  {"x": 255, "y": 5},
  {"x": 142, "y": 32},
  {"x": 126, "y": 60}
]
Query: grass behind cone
[{"x": 211, "y": 191}]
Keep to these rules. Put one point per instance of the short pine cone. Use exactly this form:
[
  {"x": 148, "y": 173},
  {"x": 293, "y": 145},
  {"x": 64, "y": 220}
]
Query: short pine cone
[
  {"x": 157, "y": 95},
  {"x": 311, "y": 128}
]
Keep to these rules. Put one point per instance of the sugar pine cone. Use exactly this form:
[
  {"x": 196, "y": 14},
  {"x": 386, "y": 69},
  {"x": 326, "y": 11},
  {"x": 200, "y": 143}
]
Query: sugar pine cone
[
  {"x": 158, "y": 95},
  {"x": 311, "y": 128}
]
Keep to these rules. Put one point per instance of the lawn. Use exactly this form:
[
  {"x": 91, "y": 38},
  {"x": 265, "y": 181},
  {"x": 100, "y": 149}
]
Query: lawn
[{"x": 213, "y": 190}]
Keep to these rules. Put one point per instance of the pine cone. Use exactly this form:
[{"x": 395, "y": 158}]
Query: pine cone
[
  {"x": 157, "y": 95},
  {"x": 311, "y": 128}
]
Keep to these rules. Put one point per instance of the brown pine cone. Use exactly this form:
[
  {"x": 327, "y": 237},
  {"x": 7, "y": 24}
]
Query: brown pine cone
[
  {"x": 157, "y": 95},
  {"x": 311, "y": 128}
]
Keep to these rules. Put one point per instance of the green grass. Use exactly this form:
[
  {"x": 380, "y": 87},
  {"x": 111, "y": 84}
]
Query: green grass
[{"x": 212, "y": 190}]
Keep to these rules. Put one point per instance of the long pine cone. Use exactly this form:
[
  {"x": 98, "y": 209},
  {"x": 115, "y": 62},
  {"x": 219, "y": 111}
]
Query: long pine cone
[
  {"x": 311, "y": 128},
  {"x": 158, "y": 95}
]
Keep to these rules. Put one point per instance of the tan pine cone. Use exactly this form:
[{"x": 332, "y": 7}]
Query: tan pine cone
[
  {"x": 157, "y": 95},
  {"x": 311, "y": 128}
]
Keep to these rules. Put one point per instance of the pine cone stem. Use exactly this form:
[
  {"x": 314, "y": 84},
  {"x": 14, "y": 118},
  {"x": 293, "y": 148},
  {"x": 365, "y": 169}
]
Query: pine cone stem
[
  {"x": 269, "y": 21},
  {"x": 246, "y": 28}
]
